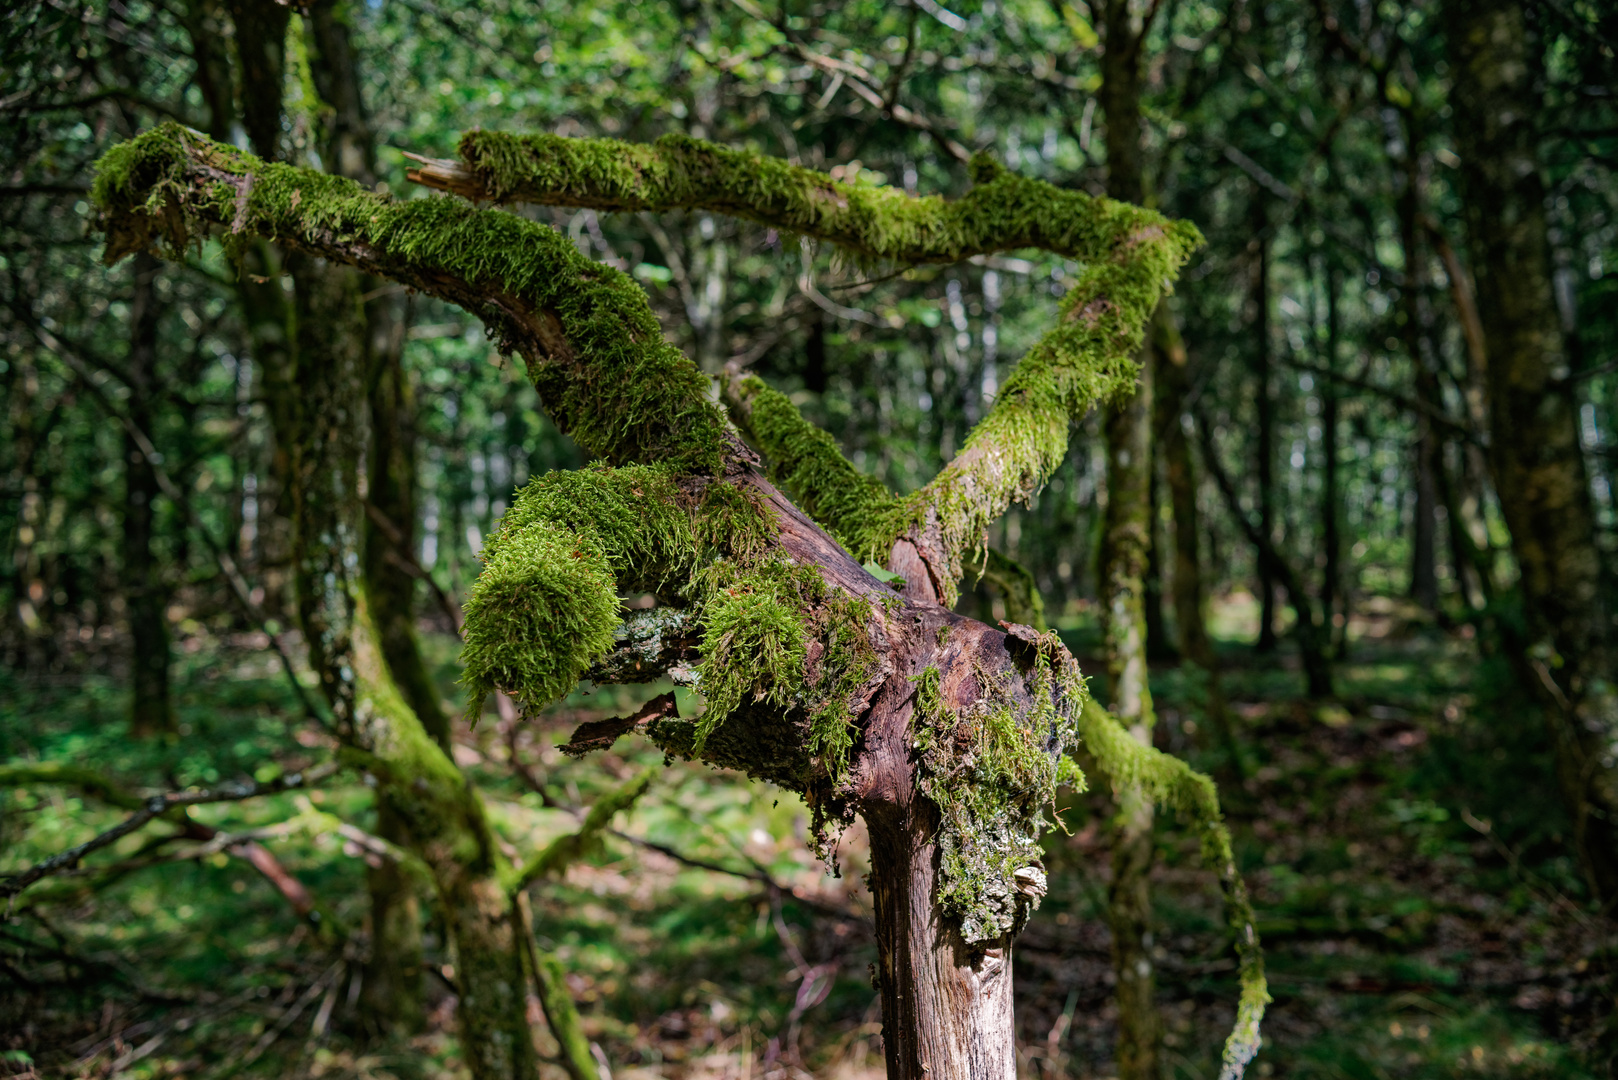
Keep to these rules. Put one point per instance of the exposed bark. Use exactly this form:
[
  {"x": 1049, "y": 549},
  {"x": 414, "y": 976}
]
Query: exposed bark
[
  {"x": 1535, "y": 458},
  {"x": 151, "y": 705}
]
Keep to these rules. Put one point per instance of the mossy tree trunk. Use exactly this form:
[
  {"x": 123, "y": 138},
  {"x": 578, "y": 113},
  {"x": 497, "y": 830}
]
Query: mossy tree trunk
[
  {"x": 420, "y": 792},
  {"x": 1128, "y": 530},
  {"x": 946, "y": 735},
  {"x": 1535, "y": 457},
  {"x": 392, "y": 988}
]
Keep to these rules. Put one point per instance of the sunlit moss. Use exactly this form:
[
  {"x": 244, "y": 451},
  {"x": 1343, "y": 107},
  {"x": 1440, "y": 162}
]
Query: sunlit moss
[
  {"x": 1170, "y": 782},
  {"x": 992, "y": 769},
  {"x": 637, "y": 399}
]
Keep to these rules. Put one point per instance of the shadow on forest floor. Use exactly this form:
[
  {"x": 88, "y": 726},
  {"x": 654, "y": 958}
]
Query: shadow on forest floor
[{"x": 1403, "y": 846}]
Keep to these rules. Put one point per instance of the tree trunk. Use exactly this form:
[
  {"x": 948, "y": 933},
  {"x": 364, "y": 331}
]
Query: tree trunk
[
  {"x": 1127, "y": 534},
  {"x": 1331, "y": 511},
  {"x": 1535, "y": 457},
  {"x": 439, "y": 816},
  {"x": 1125, "y": 564},
  {"x": 1170, "y": 386},
  {"x": 946, "y": 1007},
  {"x": 1264, "y": 418},
  {"x": 1428, "y": 450},
  {"x": 151, "y": 707},
  {"x": 393, "y": 973}
]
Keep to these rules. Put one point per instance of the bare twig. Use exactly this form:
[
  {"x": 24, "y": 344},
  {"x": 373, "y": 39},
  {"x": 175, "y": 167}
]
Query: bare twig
[{"x": 154, "y": 807}]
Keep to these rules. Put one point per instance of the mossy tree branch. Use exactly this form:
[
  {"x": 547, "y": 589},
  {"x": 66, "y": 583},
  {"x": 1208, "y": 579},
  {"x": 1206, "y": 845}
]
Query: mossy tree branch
[
  {"x": 1172, "y": 784},
  {"x": 1131, "y": 257},
  {"x": 587, "y": 332}
]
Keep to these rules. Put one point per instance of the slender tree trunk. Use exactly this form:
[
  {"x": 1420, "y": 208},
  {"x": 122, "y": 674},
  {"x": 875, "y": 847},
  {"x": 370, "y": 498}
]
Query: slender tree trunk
[
  {"x": 1264, "y": 418},
  {"x": 1170, "y": 387},
  {"x": 439, "y": 816},
  {"x": 1535, "y": 456},
  {"x": 1124, "y": 568},
  {"x": 392, "y": 990},
  {"x": 1331, "y": 499},
  {"x": 1428, "y": 456},
  {"x": 151, "y": 706},
  {"x": 1159, "y": 645},
  {"x": 1127, "y": 534}
]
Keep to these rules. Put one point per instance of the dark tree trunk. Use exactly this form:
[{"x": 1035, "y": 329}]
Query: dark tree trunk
[
  {"x": 1264, "y": 417},
  {"x": 392, "y": 988},
  {"x": 1159, "y": 644},
  {"x": 1170, "y": 387},
  {"x": 1125, "y": 566},
  {"x": 1535, "y": 457},
  {"x": 151, "y": 706},
  {"x": 1334, "y": 623},
  {"x": 1428, "y": 455}
]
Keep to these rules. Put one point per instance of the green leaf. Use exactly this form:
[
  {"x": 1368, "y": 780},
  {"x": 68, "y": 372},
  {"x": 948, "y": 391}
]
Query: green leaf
[{"x": 883, "y": 574}]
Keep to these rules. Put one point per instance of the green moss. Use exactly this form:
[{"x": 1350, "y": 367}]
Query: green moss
[
  {"x": 992, "y": 770},
  {"x": 1170, "y": 782},
  {"x": 805, "y": 462},
  {"x": 843, "y": 624},
  {"x": 620, "y": 390},
  {"x": 755, "y": 638},
  {"x": 546, "y": 604},
  {"x": 1002, "y": 211}
]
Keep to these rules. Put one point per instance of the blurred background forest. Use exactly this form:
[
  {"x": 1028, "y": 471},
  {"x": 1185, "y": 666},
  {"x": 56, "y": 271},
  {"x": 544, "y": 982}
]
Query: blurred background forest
[{"x": 1324, "y": 513}]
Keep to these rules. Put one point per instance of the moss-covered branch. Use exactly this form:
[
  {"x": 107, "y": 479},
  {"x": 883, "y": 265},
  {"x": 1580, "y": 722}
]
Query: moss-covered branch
[
  {"x": 1131, "y": 257},
  {"x": 1170, "y": 782},
  {"x": 564, "y": 851},
  {"x": 806, "y": 463},
  {"x": 593, "y": 347},
  {"x": 1001, "y": 212}
]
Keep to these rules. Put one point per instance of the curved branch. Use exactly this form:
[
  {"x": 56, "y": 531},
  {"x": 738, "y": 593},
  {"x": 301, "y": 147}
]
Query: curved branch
[{"x": 587, "y": 332}]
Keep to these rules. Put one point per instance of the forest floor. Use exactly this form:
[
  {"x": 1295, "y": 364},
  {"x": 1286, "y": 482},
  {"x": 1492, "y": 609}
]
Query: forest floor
[{"x": 1402, "y": 843}]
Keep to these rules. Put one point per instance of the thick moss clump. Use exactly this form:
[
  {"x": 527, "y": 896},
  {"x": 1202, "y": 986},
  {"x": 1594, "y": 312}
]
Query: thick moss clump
[
  {"x": 617, "y": 387},
  {"x": 806, "y": 462},
  {"x": 545, "y": 609},
  {"x": 546, "y": 604},
  {"x": 992, "y": 770}
]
